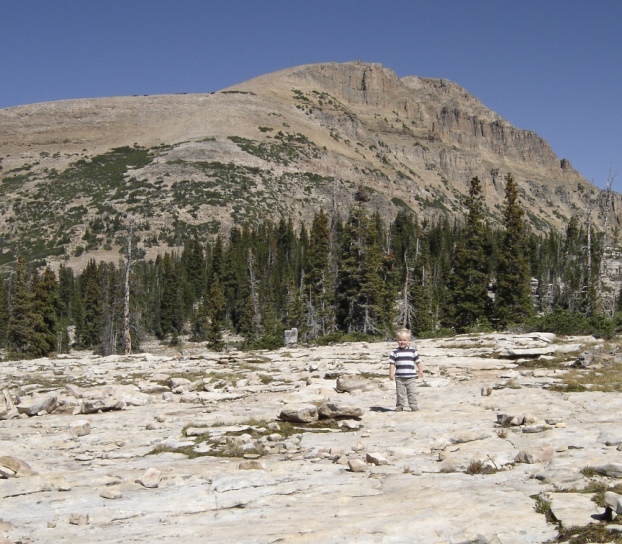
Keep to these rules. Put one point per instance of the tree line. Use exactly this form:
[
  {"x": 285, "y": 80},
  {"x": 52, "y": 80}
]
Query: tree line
[{"x": 351, "y": 277}]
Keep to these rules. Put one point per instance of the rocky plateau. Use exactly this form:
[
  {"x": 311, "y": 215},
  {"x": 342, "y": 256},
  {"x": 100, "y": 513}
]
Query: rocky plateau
[{"x": 302, "y": 444}]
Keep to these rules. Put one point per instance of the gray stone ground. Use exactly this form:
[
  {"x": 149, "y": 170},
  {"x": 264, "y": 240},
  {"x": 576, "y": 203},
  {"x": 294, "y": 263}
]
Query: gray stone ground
[{"x": 88, "y": 479}]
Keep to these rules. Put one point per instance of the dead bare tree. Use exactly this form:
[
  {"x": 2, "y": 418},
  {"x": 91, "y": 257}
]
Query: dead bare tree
[
  {"x": 406, "y": 308},
  {"x": 127, "y": 337},
  {"x": 253, "y": 284},
  {"x": 607, "y": 206}
]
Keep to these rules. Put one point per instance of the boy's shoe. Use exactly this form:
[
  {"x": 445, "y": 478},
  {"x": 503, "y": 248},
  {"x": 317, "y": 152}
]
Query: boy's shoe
[
  {"x": 414, "y": 409},
  {"x": 399, "y": 408}
]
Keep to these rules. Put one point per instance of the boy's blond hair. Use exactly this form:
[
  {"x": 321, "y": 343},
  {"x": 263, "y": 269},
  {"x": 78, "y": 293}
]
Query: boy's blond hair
[{"x": 403, "y": 334}]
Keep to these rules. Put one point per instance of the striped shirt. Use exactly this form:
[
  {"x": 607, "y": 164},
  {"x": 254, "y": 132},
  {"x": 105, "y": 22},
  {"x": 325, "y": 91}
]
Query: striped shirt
[{"x": 404, "y": 361}]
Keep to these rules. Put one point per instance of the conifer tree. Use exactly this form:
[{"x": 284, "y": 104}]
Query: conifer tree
[
  {"x": 513, "y": 303},
  {"x": 89, "y": 327},
  {"x": 318, "y": 279},
  {"x": 469, "y": 305},
  {"x": 112, "y": 298},
  {"x": 193, "y": 259},
  {"x": 572, "y": 269},
  {"x": 360, "y": 288},
  {"x": 24, "y": 336},
  {"x": 217, "y": 306},
  {"x": 171, "y": 312},
  {"x": 47, "y": 305}
]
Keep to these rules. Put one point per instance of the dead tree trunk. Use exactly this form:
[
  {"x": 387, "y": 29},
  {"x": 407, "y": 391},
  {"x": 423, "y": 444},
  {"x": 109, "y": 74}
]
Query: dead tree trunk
[
  {"x": 254, "y": 293},
  {"x": 127, "y": 337}
]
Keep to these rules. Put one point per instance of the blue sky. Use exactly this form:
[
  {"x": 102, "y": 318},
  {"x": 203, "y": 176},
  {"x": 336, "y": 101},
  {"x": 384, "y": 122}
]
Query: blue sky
[{"x": 550, "y": 66}]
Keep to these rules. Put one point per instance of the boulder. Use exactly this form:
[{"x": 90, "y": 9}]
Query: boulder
[
  {"x": 611, "y": 470},
  {"x": 80, "y": 427},
  {"x": 375, "y": 458},
  {"x": 346, "y": 383},
  {"x": 79, "y": 519},
  {"x": 510, "y": 420},
  {"x": 541, "y": 454},
  {"x": 31, "y": 406},
  {"x": 336, "y": 410},
  {"x": 357, "y": 465},
  {"x": 584, "y": 360},
  {"x": 90, "y": 393},
  {"x": 151, "y": 478},
  {"x": 13, "y": 467},
  {"x": 111, "y": 494},
  {"x": 102, "y": 405},
  {"x": 299, "y": 413},
  {"x": 613, "y": 501}
]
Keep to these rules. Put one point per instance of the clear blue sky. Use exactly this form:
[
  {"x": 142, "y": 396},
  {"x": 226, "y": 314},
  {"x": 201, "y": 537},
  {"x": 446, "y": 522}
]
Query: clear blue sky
[{"x": 550, "y": 66}]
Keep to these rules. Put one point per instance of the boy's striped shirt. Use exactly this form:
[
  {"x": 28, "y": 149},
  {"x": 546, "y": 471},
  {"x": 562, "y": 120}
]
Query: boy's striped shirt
[{"x": 404, "y": 361}]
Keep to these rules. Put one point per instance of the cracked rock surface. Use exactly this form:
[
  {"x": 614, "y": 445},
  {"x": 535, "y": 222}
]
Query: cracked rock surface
[{"x": 195, "y": 448}]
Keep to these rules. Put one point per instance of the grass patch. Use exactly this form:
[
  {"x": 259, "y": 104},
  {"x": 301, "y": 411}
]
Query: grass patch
[
  {"x": 607, "y": 379},
  {"x": 589, "y": 533},
  {"x": 543, "y": 506},
  {"x": 475, "y": 467}
]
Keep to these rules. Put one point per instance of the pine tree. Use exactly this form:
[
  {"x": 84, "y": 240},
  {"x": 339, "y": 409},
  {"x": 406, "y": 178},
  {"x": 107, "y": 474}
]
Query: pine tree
[
  {"x": 90, "y": 329},
  {"x": 469, "y": 304},
  {"x": 217, "y": 307},
  {"x": 513, "y": 302},
  {"x": 171, "y": 311},
  {"x": 361, "y": 288},
  {"x": 112, "y": 298},
  {"x": 318, "y": 279},
  {"x": 25, "y": 323},
  {"x": 47, "y": 305}
]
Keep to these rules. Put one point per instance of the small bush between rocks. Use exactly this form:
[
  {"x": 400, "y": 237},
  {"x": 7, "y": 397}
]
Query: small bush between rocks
[{"x": 475, "y": 467}]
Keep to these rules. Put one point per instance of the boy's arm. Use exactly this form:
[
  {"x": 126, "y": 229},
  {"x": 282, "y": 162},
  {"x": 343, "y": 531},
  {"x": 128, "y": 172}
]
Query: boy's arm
[
  {"x": 392, "y": 370},
  {"x": 420, "y": 369}
]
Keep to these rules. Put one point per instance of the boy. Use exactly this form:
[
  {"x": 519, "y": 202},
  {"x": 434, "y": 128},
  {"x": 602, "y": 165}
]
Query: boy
[{"x": 403, "y": 361}]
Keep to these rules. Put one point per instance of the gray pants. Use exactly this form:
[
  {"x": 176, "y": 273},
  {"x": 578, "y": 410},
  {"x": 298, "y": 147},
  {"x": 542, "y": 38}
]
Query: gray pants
[{"x": 405, "y": 388}]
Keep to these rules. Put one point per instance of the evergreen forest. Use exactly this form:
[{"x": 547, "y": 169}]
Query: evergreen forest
[{"x": 341, "y": 278}]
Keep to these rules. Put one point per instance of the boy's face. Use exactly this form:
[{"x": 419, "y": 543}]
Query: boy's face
[{"x": 402, "y": 342}]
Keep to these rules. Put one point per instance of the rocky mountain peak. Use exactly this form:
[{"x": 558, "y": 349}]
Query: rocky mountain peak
[{"x": 283, "y": 144}]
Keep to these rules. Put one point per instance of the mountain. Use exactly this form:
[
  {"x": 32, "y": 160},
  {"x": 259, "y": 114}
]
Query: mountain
[{"x": 281, "y": 145}]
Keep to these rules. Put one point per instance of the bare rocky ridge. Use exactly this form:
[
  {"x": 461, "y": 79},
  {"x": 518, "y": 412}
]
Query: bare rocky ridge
[
  {"x": 280, "y": 145},
  {"x": 490, "y": 447}
]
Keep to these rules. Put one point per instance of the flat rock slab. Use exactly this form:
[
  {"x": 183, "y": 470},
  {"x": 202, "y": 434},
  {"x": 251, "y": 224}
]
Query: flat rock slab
[{"x": 575, "y": 509}]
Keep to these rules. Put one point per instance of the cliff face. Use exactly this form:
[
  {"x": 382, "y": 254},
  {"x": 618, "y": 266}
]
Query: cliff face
[{"x": 280, "y": 145}]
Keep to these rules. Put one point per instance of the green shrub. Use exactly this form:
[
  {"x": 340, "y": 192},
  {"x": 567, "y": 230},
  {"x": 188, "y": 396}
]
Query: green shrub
[
  {"x": 339, "y": 337},
  {"x": 567, "y": 323},
  {"x": 267, "y": 341}
]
